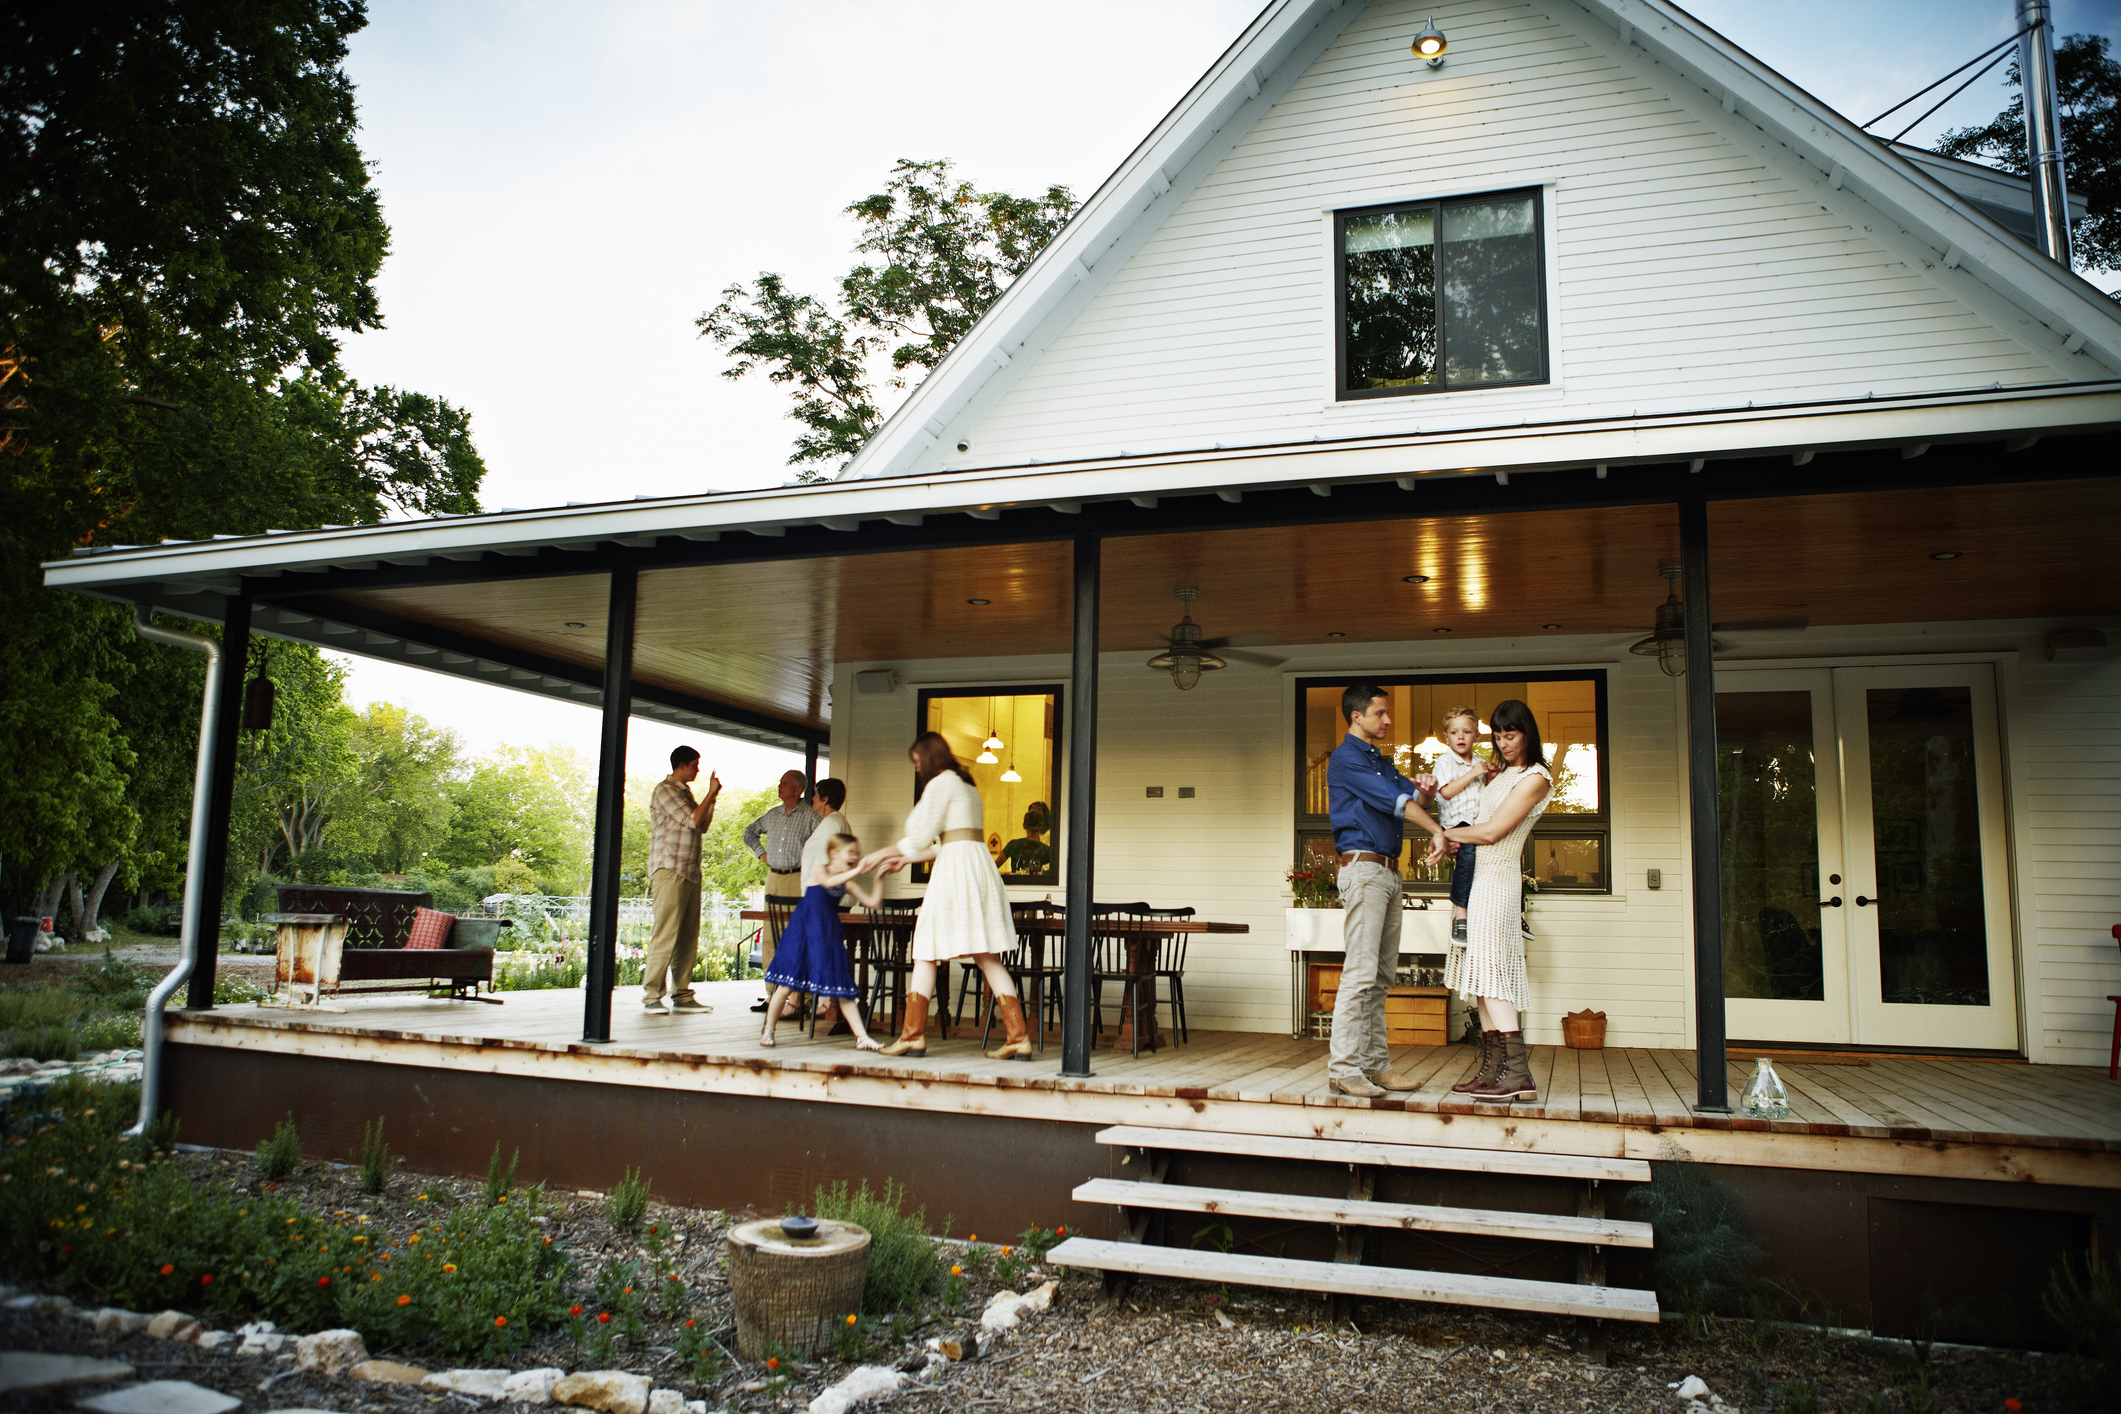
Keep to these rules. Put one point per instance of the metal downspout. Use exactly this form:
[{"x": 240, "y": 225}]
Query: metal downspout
[
  {"x": 195, "y": 867},
  {"x": 2043, "y": 130}
]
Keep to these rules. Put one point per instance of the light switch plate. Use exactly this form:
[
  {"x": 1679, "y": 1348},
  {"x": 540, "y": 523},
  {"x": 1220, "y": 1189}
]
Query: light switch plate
[
  {"x": 1154, "y": 792},
  {"x": 1656, "y": 878},
  {"x": 1185, "y": 792}
]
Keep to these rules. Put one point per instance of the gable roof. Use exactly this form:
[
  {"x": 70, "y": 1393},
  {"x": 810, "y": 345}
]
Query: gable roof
[{"x": 1909, "y": 209}]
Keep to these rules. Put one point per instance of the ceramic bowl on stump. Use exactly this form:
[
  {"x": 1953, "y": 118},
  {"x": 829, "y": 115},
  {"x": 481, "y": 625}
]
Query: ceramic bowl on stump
[{"x": 795, "y": 1288}]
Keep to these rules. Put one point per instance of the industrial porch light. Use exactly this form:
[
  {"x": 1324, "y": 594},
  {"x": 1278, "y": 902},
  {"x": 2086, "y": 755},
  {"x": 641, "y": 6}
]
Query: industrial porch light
[{"x": 1431, "y": 45}]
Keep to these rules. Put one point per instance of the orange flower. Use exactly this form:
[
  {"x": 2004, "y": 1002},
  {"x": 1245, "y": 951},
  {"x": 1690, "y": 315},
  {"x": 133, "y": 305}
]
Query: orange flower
[
  {"x": 956, "y": 1270},
  {"x": 627, "y": 1292},
  {"x": 603, "y": 1318},
  {"x": 207, "y": 1280},
  {"x": 850, "y": 1320},
  {"x": 405, "y": 1300},
  {"x": 323, "y": 1281},
  {"x": 449, "y": 1266},
  {"x": 574, "y": 1310},
  {"x": 1007, "y": 1250},
  {"x": 690, "y": 1324},
  {"x": 168, "y": 1267},
  {"x": 973, "y": 1238},
  {"x": 500, "y": 1320},
  {"x": 773, "y": 1362},
  {"x": 2013, "y": 1405},
  {"x": 1060, "y": 1232}
]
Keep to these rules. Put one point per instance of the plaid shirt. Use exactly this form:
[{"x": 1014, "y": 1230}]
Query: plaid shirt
[
  {"x": 673, "y": 840},
  {"x": 782, "y": 833}
]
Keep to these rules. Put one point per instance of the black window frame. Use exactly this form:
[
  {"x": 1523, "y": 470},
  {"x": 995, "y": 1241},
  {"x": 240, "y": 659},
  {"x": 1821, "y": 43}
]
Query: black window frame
[
  {"x": 1573, "y": 825},
  {"x": 1059, "y": 691},
  {"x": 1341, "y": 391}
]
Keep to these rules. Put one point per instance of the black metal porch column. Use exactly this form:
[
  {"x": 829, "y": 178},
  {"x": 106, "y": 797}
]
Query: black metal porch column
[
  {"x": 1709, "y": 1038},
  {"x": 1082, "y": 810},
  {"x": 609, "y": 841},
  {"x": 220, "y": 802},
  {"x": 809, "y": 770}
]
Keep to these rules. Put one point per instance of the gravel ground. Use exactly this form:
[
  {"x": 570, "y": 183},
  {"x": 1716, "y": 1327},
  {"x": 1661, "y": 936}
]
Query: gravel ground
[{"x": 1166, "y": 1347}]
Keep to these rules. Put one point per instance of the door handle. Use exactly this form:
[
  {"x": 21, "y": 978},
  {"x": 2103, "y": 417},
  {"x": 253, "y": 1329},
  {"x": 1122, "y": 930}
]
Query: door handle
[
  {"x": 1834, "y": 902},
  {"x": 1862, "y": 902}
]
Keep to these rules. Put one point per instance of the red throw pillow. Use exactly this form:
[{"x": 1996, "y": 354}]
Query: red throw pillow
[{"x": 430, "y": 929}]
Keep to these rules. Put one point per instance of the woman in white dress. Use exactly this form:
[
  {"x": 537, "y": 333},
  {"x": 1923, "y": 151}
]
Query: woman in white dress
[
  {"x": 1489, "y": 965},
  {"x": 966, "y": 910}
]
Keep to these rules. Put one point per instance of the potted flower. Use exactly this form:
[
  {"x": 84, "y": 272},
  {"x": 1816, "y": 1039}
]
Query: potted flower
[{"x": 1314, "y": 917}]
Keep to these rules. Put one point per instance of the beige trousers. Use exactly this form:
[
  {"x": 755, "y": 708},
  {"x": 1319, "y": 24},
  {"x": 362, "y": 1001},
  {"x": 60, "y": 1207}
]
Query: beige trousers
[
  {"x": 785, "y": 888},
  {"x": 674, "y": 941},
  {"x": 1369, "y": 898}
]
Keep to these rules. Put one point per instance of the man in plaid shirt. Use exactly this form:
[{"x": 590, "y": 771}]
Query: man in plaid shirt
[{"x": 675, "y": 824}]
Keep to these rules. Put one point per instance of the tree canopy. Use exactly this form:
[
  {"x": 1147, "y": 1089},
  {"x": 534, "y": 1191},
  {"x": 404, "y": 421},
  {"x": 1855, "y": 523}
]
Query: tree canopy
[
  {"x": 937, "y": 253},
  {"x": 2088, "y": 83}
]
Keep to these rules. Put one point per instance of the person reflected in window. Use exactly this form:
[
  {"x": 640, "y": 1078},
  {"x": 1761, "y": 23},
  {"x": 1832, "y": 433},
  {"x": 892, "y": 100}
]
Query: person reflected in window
[{"x": 1031, "y": 854}]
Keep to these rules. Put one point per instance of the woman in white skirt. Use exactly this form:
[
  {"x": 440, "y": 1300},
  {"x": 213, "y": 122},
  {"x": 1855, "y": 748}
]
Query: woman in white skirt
[
  {"x": 1489, "y": 965},
  {"x": 966, "y": 910}
]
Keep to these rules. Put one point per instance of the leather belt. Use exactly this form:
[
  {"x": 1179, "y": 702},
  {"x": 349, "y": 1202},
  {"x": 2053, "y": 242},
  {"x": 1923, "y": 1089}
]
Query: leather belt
[
  {"x": 1362, "y": 856},
  {"x": 771, "y": 870},
  {"x": 961, "y": 836}
]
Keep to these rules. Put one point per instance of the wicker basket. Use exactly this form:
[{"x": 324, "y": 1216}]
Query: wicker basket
[
  {"x": 794, "y": 1291},
  {"x": 1584, "y": 1030}
]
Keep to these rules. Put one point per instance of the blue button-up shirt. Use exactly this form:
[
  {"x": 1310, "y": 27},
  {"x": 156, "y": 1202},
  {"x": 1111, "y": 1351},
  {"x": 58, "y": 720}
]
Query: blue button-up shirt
[{"x": 1367, "y": 797}]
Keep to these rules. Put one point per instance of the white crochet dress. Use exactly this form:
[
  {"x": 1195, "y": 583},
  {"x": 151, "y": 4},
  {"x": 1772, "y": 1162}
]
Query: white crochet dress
[
  {"x": 1490, "y": 963},
  {"x": 966, "y": 909}
]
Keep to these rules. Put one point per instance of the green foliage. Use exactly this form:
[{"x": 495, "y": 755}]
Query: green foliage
[
  {"x": 2086, "y": 1303},
  {"x": 2088, "y": 84},
  {"x": 498, "y": 1180},
  {"x": 231, "y": 989},
  {"x": 41, "y": 1043},
  {"x": 903, "y": 1265},
  {"x": 850, "y": 1338},
  {"x": 1036, "y": 1242},
  {"x": 484, "y": 1282},
  {"x": 1798, "y": 1397},
  {"x": 627, "y": 1203},
  {"x": 1704, "y": 1260},
  {"x": 542, "y": 973},
  {"x": 294, "y": 779},
  {"x": 155, "y": 922},
  {"x": 618, "y": 1292},
  {"x": 936, "y": 254},
  {"x": 953, "y": 1289},
  {"x": 532, "y": 807},
  {"x": 375, "y": 1159},
  {"x": 38, "y": 1006},
  {"x": 402, "y": 809},
  {"x": 280, "y": 1155},
  {"x": 109, "y": 1031},
  {"x": 117, "y": 984}
]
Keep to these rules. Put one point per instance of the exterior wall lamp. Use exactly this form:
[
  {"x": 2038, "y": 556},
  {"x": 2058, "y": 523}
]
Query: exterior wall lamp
[{"x": 1431, "y": 45}]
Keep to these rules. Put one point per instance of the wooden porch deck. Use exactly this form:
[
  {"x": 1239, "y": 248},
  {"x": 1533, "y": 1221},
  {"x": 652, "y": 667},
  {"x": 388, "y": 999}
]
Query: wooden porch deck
[{"x": 1879, "y": 1114}]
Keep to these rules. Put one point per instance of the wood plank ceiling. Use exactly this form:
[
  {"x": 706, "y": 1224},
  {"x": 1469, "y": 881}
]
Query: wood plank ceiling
[{"x": 766, "y": 636}]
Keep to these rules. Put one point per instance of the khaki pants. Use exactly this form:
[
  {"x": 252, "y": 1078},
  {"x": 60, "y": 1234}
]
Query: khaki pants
[
  {"x": 1369, "y": 896},
  {"x": 776, "y": 881},
  {"x": 674, "y": 941}
]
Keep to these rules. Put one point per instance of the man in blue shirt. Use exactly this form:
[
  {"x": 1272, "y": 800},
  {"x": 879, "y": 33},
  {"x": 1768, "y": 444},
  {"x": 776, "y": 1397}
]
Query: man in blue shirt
[{"x": 1370, "y": 802}]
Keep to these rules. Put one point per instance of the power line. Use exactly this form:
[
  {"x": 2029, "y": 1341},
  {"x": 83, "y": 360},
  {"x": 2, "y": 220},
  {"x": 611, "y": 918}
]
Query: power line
[{"x": 1949, "y": 77}]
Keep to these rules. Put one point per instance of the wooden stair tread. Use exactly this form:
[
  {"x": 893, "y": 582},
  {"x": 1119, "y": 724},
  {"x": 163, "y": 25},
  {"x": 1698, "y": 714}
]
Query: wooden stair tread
[
  {"x": 1395, "y": 1283},
  {"x": 1540, "y": 1227},
  {"x": 1349, "y": 1151}
]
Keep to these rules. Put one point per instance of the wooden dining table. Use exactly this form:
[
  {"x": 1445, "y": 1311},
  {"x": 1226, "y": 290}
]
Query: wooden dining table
[{"x": 1034, "y": 931}]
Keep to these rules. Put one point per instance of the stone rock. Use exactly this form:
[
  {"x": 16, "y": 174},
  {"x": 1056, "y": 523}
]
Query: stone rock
[
  {"x": 27, "y": 1369},
  {"x": 113, "y": 1321},
  {"x": 388, "y": 1372},
  {"x": 695, "y": 1406},
  {"x": 167, "y": 1325},
  {"x": 665, "y": 1401},
  {"x": 531, "y": 1386},
  {"x": 256, "y": 1328},
  {"x": 1006, "y": 1308},
  {"x": 613, "y": 1391},
  {"x": 18, "y": 1303},
  {"x": 164, "y": 1397},
  {"x": 864, "y": 1383},
  {"x": 213, "y": 1340},
  {"x": 330, "y": 1352},
  {"x": 1692, "y": 1387},
  {"x": 486, "y": 1384}
]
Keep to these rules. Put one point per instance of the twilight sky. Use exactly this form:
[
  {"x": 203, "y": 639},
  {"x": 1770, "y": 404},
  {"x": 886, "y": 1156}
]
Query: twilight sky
[{"x": 569, "y": 186}]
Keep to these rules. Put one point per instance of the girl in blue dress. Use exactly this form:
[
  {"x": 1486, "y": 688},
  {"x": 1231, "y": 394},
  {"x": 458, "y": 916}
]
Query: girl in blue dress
[{"x": 812, "y": 956}]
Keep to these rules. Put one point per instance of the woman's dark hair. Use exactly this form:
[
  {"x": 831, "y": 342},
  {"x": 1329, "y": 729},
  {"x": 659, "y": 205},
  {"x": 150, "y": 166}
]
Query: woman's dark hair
[
  {"x": 833, "y": 791},
  {"x": 1356, "y": 700},
  {"x": 931, "y": 757},
  {"x": 1510, "y": 715},
  {"x": 1038, "y": 816}
]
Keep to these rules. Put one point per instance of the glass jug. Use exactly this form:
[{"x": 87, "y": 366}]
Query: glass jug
[{"x": 1764, "y": 1096}]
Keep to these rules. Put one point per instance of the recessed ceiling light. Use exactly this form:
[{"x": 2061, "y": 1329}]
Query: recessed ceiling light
[
  {"x": 572, "y": 624},
  {"x": 1336, "y": 635},
  {"x": 979, "y": 601},
  {"x": 1945, "y": 555},
  {"x": 1414, "y": 578},
  {"x": 1550, "y": 625},
  {"x": 1439, "y": 630}
]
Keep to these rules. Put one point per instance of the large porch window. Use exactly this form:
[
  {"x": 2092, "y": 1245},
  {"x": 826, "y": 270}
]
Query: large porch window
[
  {"x": 1007, "y": 738},
  {"x": 1570, "y": 846}
]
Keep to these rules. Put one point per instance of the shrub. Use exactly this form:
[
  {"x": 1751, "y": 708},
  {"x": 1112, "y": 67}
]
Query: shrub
[
  {"x": 119, "y": 985},
  {"x": 41, "y": 1043},
  {"x": 2086, "y": 1304},
  {"x": 280, "y": 1155},
  {"x": 232, "y": 989},
  {"x": 1704, "y": 1260},
  {"x": 375, "y": 1159},
  {"x": 150, "y": 920},
  {"x": 38, "y": 1006},
  {"x": 627, "y": 1203},
  {"x": 497, "y": 1182},
  {"x": 903, "y": 1265},
  {"x": 483, "y": 1282},
  {"x": 110, "y": 1031}
]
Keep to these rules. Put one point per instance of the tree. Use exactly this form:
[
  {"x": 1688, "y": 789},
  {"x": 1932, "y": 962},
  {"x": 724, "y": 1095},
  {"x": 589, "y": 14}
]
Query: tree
[
  {"x": 186, "y": 228},
  {"x": 294, "y": 778},
  {"x": 401, "y": 811},
  {"x": 726, "y": 867},
  {"x": 531, "y": 806},
  {"x": 938, "y": 254},
  {"x": 2088, "y": 81}
]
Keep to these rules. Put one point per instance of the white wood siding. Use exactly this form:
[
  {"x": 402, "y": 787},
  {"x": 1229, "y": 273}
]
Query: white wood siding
[
  {"x": 1683, "y": 271},
  {"x": 1628, "y": 955}
]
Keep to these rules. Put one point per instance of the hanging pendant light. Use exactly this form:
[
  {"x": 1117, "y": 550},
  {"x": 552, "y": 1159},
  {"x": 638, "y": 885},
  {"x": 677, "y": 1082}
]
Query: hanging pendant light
[
  {"x": 1010, "y": 775},
  {"x": 1667, "y": 641},
  {"x": 1186, "y": 659},
  {"x": 993, "y": 743}
]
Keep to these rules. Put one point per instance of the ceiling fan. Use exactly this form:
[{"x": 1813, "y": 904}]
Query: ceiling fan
[{"x": 1189, "y": 655}]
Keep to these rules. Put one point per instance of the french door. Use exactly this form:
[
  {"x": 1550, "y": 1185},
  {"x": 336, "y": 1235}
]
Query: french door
[{"x": 1865, "y": 884}]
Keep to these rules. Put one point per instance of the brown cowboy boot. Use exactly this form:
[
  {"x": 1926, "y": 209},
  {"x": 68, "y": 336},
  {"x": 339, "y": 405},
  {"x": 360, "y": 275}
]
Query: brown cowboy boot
[
  {"x": 1483, "y": 1073},
  {"x": 913, "y": 1036},
  {"x": 1515, "y": 1081},
  {"x": 1016, "y": 1035}
]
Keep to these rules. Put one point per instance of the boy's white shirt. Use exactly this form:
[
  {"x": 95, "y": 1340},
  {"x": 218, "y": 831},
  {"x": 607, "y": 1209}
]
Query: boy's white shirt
[{"x": 1464, "y": 807}]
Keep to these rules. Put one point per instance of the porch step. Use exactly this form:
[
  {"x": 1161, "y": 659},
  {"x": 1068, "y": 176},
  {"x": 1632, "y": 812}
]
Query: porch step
[
  {"x": 1541, "y": 1227},
  {"x": 1347, "y": 1279},
  {"x": 1348, "y": 1151}
]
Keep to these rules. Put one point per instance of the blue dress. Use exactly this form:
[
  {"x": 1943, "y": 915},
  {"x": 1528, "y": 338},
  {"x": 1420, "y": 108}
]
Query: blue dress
[{"x": 812, "y": 955}]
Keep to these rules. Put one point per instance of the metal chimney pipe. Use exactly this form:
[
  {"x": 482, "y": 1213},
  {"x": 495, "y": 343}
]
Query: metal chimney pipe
[{"x": 2043, "y": 130}]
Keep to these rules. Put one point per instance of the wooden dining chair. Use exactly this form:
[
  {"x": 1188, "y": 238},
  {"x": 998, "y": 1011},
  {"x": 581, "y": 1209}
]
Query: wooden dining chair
[
  {"x": 1037, "y": 984},
  {"x": 887, "y": 959},
  {"x": 777, "y": 916},
  {"x": 1110, "y": 962},
  {"x": 1169, "y": 967}
]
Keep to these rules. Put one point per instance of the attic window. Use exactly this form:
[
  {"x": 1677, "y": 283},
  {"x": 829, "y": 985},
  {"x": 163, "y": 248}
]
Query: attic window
[{"x": 1438, "y": 296}]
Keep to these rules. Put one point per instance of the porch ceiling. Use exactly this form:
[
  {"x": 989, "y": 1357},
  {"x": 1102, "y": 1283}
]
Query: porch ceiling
[{"x": 765, "y": 636}]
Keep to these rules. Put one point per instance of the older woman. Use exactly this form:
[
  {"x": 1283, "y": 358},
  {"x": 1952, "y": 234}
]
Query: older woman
[
  {"x": 966, "y": 910},
  {"x": 1489, "y": 965}
]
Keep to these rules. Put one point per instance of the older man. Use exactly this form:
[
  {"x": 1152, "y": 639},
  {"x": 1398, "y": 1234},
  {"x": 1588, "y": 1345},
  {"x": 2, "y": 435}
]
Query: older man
[
  {"x": 778, "y": 837},
  {"x": 675, "y": 824}
]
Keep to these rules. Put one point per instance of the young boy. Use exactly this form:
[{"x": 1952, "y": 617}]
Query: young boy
[{"x": 1459, "y": 777}]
